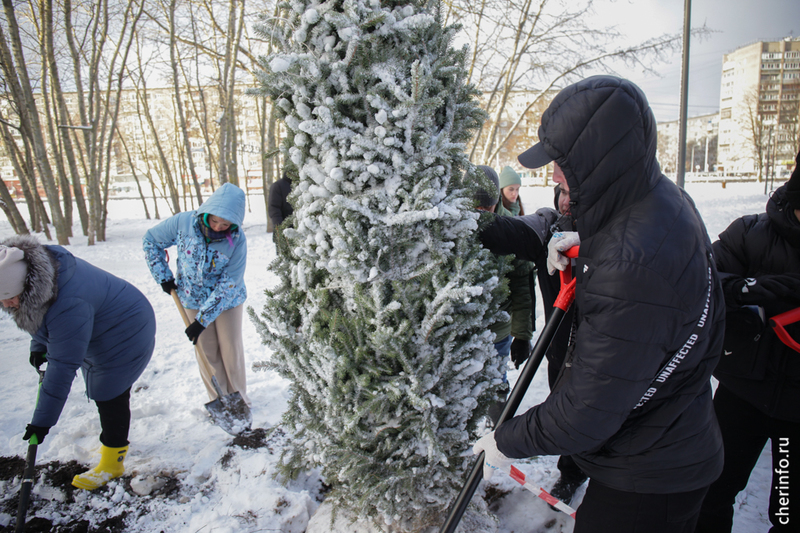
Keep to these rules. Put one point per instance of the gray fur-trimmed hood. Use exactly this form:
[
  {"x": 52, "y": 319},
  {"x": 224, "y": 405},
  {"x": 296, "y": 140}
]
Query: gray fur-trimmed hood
[{"x": 41, "y": 283}]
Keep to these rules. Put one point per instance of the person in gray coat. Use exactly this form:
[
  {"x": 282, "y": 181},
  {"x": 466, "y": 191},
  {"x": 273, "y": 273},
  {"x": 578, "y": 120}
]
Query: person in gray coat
[{"x": 79, "y": 317}]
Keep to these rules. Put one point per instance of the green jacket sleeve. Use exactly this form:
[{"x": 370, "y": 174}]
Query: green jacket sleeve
[{"x": 519, "y": 284}]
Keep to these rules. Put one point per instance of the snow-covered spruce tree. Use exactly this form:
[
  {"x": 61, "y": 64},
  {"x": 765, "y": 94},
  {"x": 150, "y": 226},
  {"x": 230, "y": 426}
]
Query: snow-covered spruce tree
[{"x": 380, "y": 320}]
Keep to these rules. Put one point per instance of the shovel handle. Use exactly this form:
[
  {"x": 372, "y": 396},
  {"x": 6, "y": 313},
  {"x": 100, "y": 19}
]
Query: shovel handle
[
  {"x": 567, "y": 293},
  {"x": 202, "y": 355},
  {"x": 784, "y": 319},
  {"x": 565, "y": 298},
  {"x": 29, "y": 472}
]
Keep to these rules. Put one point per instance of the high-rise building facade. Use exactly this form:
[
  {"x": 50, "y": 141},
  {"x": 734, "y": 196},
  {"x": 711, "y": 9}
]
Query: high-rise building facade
[{"x": 759, "y": 127}]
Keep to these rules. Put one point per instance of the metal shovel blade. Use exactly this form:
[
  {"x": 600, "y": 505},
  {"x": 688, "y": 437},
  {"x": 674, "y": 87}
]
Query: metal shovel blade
[{"x": 230, "y": 412}]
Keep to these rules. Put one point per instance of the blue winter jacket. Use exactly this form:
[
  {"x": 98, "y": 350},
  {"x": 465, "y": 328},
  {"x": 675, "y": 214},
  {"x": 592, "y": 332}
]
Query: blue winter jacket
[
  {"x": 210, "y": 275},
  {"x": 98, "y": 323}
]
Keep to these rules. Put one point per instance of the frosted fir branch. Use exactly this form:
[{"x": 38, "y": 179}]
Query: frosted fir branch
[{"x": 347, "y": 324}]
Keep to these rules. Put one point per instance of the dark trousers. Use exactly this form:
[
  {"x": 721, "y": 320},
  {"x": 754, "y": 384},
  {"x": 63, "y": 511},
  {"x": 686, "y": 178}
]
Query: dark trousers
[
  {"x": 745, "y": 431},
  {"x": 607, "y": 510},
  {"x": 115, "y": 420}
]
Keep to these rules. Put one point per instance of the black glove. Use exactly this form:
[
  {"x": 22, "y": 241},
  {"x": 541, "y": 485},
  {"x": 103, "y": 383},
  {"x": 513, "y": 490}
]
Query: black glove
[
  {"x": 169, "y": 286},
  {"x": 38, "y": 431},
  {"x": 194, "y": 330},
  {"x": 763, "y": 289},
  {"x": 520, "y": 350},
  {"x": 37, "y": 359}
]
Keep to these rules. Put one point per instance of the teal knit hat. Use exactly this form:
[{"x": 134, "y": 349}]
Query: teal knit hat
[{"x": 509, "y": 176}]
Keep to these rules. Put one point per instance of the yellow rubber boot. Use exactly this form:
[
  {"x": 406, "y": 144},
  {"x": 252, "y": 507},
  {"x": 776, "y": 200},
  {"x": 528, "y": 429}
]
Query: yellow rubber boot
[{"x": 112, "y": 465}]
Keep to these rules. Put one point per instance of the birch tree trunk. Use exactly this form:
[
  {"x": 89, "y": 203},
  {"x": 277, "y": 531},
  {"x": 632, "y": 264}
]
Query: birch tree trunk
[
  {"x": 173, "y": 57},
  {"x": 29, "y": 117}
]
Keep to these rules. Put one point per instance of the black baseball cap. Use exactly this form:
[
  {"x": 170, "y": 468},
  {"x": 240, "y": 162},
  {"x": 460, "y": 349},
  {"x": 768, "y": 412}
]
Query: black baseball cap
[{"x": 534, "y": 157}]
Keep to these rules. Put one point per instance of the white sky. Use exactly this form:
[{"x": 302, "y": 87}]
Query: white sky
[{"x": 737, "y": 22}]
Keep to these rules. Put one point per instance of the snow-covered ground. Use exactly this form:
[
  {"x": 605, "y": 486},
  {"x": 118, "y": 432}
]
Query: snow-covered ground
[{"x": 184, "y": 474}]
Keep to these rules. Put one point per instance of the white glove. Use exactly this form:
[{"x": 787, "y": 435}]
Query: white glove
[
  {"x": 560, "y": 242},
  {"x": 494, "y": 459}
]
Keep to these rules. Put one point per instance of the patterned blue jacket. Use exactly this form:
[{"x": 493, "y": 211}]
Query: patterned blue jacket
[{"x": 210, "y": 275}]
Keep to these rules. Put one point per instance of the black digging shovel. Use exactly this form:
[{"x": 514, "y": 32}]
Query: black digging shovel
[
  {"x": 565, "y": 298},
  {"x": 230, "y": 412},
  {"x": 28, "y": 473}
]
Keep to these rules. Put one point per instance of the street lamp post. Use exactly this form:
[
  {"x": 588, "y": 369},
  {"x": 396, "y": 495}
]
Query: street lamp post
[
  {"x": 709, "y": 129},
  {"x": 766, "y": 176},
  {"x": 687, "y": 28}
]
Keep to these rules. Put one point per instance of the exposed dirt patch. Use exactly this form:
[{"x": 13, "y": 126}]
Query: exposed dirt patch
[
  {"x": 258, "y": 438},
  {"x": 11, "y": 467},
  {"x": 493, "y": 497},
  {"x": 60, "y": 475},
  {"x": 55, "y": 480},
  {"x": 55, "y": 506}
]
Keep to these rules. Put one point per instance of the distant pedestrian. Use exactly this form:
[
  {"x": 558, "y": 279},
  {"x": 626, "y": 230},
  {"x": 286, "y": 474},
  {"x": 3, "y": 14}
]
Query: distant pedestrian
[
  {"x": 510, "y": 183},
  {"x": 279, "y": 206},
  {"x": 517, "y": 330}
]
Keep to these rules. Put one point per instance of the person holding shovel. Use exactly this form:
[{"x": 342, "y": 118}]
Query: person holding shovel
[
  {"x": 543, "y": 224},
  {"x": 758, "y": 397},
  {"x": 211, "y": 256},
  {"x": 79, "y": 317},
  {"x": 633, "y": 404},
  {"x": 518, "y": 304}
]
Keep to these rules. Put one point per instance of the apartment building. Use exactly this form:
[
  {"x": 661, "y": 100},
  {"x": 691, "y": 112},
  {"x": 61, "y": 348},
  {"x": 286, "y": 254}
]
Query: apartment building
[
  {"x": 759, "y": 126},
  {"x": 702, "y": 133},
  {"x": 517, "y": 128}
]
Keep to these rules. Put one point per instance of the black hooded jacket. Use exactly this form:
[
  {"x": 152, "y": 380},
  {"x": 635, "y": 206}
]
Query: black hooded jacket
[
  {"x": 753, "y": 246},
  {"x": 645, "y": 282},
  {"x": 539, "y": 227},
  {"x": 279, "y": 208}
]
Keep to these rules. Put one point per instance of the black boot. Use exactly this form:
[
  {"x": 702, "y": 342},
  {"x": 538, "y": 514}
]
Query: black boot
[{"x": 564, "y": 489}]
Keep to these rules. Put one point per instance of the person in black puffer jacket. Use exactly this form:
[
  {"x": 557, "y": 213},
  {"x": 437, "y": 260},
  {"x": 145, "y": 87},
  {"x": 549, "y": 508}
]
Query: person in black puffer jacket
[
  {"x": 279, "y": 208},
  {"x": 758, "y": 396},
  {"x": 545, "y": 222},
  {"x": 635, "y": 408}
]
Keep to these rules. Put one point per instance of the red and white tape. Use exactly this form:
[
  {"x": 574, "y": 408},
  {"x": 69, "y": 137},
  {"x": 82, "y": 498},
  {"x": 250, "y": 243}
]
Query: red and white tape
[{"x": 519, "y": 477}]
